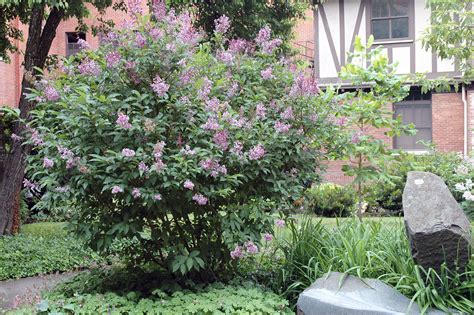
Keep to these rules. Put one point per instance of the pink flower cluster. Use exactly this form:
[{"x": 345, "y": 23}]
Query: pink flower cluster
[
  {"x": 158, "y": 154},
  {"x": 159, "y": 86},
  {"x": 188, "y": 184},
  {"x": 281, "y": 127},
  {"x": 36, "y": 138},
  {"x": 200, "y": 199},
  {"x": 159, "y": 9},
  {"x": 237, "y": 253},
  {"x": 211, "y": 124},
  {"x": 48, "y": 163},
  {"x": 134, "y": 8},
  {"x": 260, "y": 111},
  {"x": 83, "y": 44},
  {"x": 122, "y": 121},
  {"x": 237, "y": 46},
  {"x": 205, "y": 89},
  {"x": 221, "y": 139},
  {"x": 32, "y": 186},
  {"x": 128, "y": 152},
  {"x": 267, "y": 73},
  {"x": 157, "y": 197},
  {"x": 267, "y": 237},
  {"x": 251, "y": 247},
  {"x": 287, "y": 114},
  {"x": 143, "y": 167},
  {"x": 264, "y": 41},
  {"x": 237, "y": 148},
  {"x": 89, "y": 67},
  {"x": 117, "y": 189},
  {"x": 222, "y": 24},
  {"x": 51, "y": 94},
  {"x": 136, "y": 193},
  {"x": 113, "y": 59},
  {"x": 257, "y": 152},
  {"x": 213, "y": 166},
  {"x": 304, "y": 85},
  {"x": 280, "y": 223}
]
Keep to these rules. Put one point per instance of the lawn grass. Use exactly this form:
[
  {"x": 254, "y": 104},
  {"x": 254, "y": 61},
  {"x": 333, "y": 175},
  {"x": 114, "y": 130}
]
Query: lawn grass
[{"x": 44, "y": 229}]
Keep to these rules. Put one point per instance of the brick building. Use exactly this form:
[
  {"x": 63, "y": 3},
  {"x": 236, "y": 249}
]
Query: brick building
[{"x": 446, "y": 119}]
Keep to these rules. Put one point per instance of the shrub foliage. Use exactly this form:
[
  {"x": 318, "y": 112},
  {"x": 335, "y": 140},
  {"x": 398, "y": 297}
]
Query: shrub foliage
[{"x": 157, "y": 138}]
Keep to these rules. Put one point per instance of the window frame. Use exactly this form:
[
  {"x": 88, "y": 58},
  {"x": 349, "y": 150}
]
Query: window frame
[
  {"x": 411, "y": 23},
  {"x": 414, "y": 103},
  {"x": 76, "y": 50}
]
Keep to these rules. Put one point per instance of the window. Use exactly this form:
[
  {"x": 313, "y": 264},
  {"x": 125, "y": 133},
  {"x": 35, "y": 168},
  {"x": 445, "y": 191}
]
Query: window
[
  {"x": 72, "y": 47},
  {"x": 390, "y": 19},
  {"x": 415, "y": 109}
]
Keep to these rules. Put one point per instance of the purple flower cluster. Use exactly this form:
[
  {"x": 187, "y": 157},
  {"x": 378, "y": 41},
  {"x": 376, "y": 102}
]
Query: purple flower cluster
[
  {"x": 134, "y": 8},
  {"x": 140, "y": 40},
  {"x": 200, "y": 199},
  {"x": 36, "y": 138},
  {"x": 205, "y": 89},
  {"x": 32, "y": 186},
  {"x": 237, "y": 46},
  {"x": 158, "y": 154},
  {"x": 188, "y": 151},
  {"x": 356, "y": 137},
  {"x": 237, "y": 253},
  {"x": 221, "y": 139},
  {"x": 16, "y": 137},
  {"x": 156, "y": 33},
  {"x": 251, "y": 247},
  {"x": 287, "y": 114},
  {"x": 157, "y": 197},
  {"x": 233, "y": 89},
  {"x": 257, "y": 152},
  {"x": 113, "y": 59},
  {"x": 267, "y": 73},
  {"x": 83, "y": 44},
  {"x": 159, "y": 9},
  {"x": 136, "y": 193},
  {"x": 143, "y": 167},
  {"x": 89, "y": 67},
  {"x": 281, "y": 127},
  {"x": 62, "y": 189},
  {"x": 225, "y": 56},
  {"x": 159, "y": 86},
  {"x": 187, "y": 33},
  {"x": 237, "y": 148},
  {"x": 267, "y": 237},
  {"x": 280, "y": 223},
  {"x": 222, "y": 24},
  {"x": 263, "y": 35},
  {"x": 304, "y": 85},
  {"x": 51, "y": 94},
  {"x": 211, "y": 124},
  {"x": 260, "y": 111},
  {"x": 263, "y": 40},
  {"x": 188, "y": 184},
  {"x": 117, "y": 189},
  {"x": 128, "y": 152},
  {"x": 122, "y": 121},
  {"x": 213, "y": 166},
  {"x": 48, "y": 163}
]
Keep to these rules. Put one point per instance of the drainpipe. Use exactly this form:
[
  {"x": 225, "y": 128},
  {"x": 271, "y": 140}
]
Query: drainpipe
[{"x": 463, "y": 94}]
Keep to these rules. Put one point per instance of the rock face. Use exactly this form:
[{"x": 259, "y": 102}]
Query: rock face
[
  {"x": 337, "y": 293},
  {"x": 436, "y": 225}
]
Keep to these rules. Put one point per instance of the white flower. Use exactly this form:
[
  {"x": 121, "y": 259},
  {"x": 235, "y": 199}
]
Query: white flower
[
  {"x": 462, "y": 170},
  {"x": 460, "y": 187},
  {"x": 469, "y": 184},
  {"x": 468, "y": 196}
]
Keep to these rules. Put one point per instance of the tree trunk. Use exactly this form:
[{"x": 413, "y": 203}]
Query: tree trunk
[{"x": 13, "y": 166}]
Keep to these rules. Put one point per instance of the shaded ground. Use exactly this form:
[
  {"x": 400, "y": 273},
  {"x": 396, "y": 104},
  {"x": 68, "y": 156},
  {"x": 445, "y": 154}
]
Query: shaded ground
[{"x": 27, "y": 290}]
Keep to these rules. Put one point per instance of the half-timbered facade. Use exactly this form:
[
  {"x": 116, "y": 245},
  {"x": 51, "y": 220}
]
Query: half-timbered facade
[{"x": 446, "y": 119}]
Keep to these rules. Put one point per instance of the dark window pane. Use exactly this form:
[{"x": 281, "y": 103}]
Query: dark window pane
[
  {"x": 420, "y": 116},
  {"x": 399, "y": 8},
  {"x": 73, "y": 37},
  {"x": 380, "y": 8},
  {"x": 400, "y": 28},
  {"x": 380, "y": 29}
]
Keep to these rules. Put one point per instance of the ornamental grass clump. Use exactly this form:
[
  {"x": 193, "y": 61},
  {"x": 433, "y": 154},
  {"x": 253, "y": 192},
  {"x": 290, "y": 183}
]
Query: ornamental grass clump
[{"x": 178, "y": 144}]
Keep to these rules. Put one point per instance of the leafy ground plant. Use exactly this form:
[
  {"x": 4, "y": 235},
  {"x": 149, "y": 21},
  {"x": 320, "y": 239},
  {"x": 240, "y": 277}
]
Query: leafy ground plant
[
  {"x": 217, "y": 298},
  {"x": 41, "y": 251}
]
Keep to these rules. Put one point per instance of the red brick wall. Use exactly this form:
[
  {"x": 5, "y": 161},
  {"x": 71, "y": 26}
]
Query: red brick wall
[{"x": 448, "y": 121}]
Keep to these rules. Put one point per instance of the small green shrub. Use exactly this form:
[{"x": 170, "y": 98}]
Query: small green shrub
[
  {"x": 30, "y": 255},
  {"x": 387, "y": 192},
  {"x": 331, "y": 200}
]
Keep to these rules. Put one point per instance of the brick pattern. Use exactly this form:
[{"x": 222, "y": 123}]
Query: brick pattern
[{"x": 448, "y": 121}]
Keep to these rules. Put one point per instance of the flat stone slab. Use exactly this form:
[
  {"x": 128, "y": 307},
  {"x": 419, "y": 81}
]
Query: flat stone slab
[
  {"x": 27, "y": 290},
  {"x": 338, "y": 294},
  {"x": 437, "y": 227}
]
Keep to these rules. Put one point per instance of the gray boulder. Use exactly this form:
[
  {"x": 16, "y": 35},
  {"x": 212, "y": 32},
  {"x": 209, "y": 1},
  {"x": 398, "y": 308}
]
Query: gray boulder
[
  {"x": 436, "y": 225},
  {"x": 337, "y": 293}
]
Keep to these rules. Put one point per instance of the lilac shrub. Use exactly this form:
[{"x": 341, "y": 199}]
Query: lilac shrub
[{"x": 183, "y": 148}]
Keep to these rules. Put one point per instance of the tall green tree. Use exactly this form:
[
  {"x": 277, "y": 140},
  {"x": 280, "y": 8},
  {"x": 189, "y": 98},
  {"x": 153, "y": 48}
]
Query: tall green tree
[
  {"x": 247, "y": 16},
  {"x": 43, "y": 18},
  {"x": 451, "y": 33}
]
